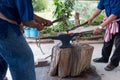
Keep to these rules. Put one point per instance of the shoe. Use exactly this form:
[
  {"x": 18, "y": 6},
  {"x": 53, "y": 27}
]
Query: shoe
[
  {"x": 100, "y": 60},
  {"x": 109, "y": 67}
]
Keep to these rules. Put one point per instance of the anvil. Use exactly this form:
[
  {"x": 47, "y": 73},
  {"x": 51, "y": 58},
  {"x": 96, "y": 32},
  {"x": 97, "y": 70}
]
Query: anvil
[{"x": 64, "y": 38}]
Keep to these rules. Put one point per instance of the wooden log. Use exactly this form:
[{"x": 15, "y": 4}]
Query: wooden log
[
  {"x": 42, "y": 63},
  {"x": 70, "y": 61}
]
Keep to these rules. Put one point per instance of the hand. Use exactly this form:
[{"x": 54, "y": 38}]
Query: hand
[
  {"x": 47, "y": 23},
  {"x": 34, "y": 24},
  {"x": 97, "y": 30},
  {"x": 89, "y": 20},
  {"x": 42, "y": 21},
  {"x": 39, "y": 27}
]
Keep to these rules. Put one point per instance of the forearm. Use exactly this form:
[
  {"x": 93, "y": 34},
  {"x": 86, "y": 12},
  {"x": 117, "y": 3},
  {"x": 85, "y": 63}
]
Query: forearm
[
  {"x": 42, "y": 21},
  {"x": 39, "y": 19},
  {"x": 96, "y": 13},
  {"x": 32, "y": 23},
  {"x": 111, "y": 18}
]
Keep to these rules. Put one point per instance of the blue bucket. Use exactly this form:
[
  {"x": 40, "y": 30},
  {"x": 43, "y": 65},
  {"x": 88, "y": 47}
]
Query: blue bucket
[
  {"x": 27, "y": 32},
  {"x": 33, "y": 32}
]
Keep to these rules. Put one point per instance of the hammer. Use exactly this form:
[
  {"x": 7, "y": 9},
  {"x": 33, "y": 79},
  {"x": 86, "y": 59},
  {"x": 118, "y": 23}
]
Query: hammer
[{"x": 39, "y": 19}]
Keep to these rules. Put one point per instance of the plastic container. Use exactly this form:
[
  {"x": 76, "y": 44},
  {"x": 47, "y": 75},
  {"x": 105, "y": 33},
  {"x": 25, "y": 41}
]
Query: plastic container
[
  {"x": 71, "y": 21},
  {"x": 27, "y": 32},
  {"x": 34, "y": 32}
]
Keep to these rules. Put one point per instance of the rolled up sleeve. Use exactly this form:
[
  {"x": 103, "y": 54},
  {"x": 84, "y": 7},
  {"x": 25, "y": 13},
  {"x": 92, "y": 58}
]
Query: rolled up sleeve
[
  {"x": 116, "y": 9},
  {"x": 100, "y": 5},
  {"x": 25, "y": 9}
]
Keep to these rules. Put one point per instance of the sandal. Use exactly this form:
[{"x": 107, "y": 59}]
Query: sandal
[{"x": 109, "y": 67}]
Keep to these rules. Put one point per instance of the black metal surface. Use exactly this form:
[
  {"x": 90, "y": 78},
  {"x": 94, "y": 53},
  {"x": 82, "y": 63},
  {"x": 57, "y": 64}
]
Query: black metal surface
[{"x": 64, "y": 38}]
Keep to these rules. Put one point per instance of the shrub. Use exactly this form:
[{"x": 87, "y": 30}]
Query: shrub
[{"x": 39, "y": 5}]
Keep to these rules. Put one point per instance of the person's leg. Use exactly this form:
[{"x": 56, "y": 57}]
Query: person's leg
[
  {"x": 107, "y": 48},
  {"x": 19, "y": 56},
  {"x": 3, "y": 68},
  {"x": 116, "y": 55},
  {"x": 106, "y": 51}
]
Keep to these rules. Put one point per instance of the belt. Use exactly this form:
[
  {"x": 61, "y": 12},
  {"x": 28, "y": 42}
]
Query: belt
[
  {"x": 8, "y": 20},
  {"x": 11, "y": 21}
]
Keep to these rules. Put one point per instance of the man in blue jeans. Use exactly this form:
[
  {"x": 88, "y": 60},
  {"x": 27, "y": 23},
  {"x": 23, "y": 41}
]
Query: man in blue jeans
[
  {"x": 3, "y": 67},
  {"x": 112, "y": 25},
  {"x": 14, "y": 50}
]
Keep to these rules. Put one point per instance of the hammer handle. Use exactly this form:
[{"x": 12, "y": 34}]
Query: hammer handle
[
  {"x": 55, "y": 21},
  {"x": 79, "y": 25},
  {"x": 59, "y": 19}
]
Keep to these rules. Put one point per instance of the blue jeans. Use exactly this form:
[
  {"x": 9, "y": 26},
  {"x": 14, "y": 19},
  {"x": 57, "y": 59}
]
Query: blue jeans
[
  {"x": 3, "y": 68},
  {"x": 15, "y": 51}
]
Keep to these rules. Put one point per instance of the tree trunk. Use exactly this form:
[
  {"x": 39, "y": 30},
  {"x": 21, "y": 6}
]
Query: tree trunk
[{"x": 70, "y": 61}]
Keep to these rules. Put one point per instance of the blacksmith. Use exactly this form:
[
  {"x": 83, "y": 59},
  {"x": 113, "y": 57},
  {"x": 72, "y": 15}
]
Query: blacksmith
[
  {"x": 112, "y": 25},
  {"x": 14, "y": 50}
]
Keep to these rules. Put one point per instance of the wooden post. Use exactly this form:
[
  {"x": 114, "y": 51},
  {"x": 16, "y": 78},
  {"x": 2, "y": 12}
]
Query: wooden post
[
  {"x": 77, "y": 20},
  {"x": 70, "y": 61}
]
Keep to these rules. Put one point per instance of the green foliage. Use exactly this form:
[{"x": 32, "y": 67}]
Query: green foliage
[
  {"x": 86, "y": 9},
  {"x": 39, "y": 5},
  {"x": 47, "y": 30},
  {"x": 55, "y": 28},
  {"x": 100, "y": 17},
  {"x": 63, "y": 9},
  {"x": 60, "y": 26}
]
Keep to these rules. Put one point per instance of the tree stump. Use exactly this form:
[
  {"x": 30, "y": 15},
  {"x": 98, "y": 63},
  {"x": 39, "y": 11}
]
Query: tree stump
[{"x": 70, "y": 61}]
